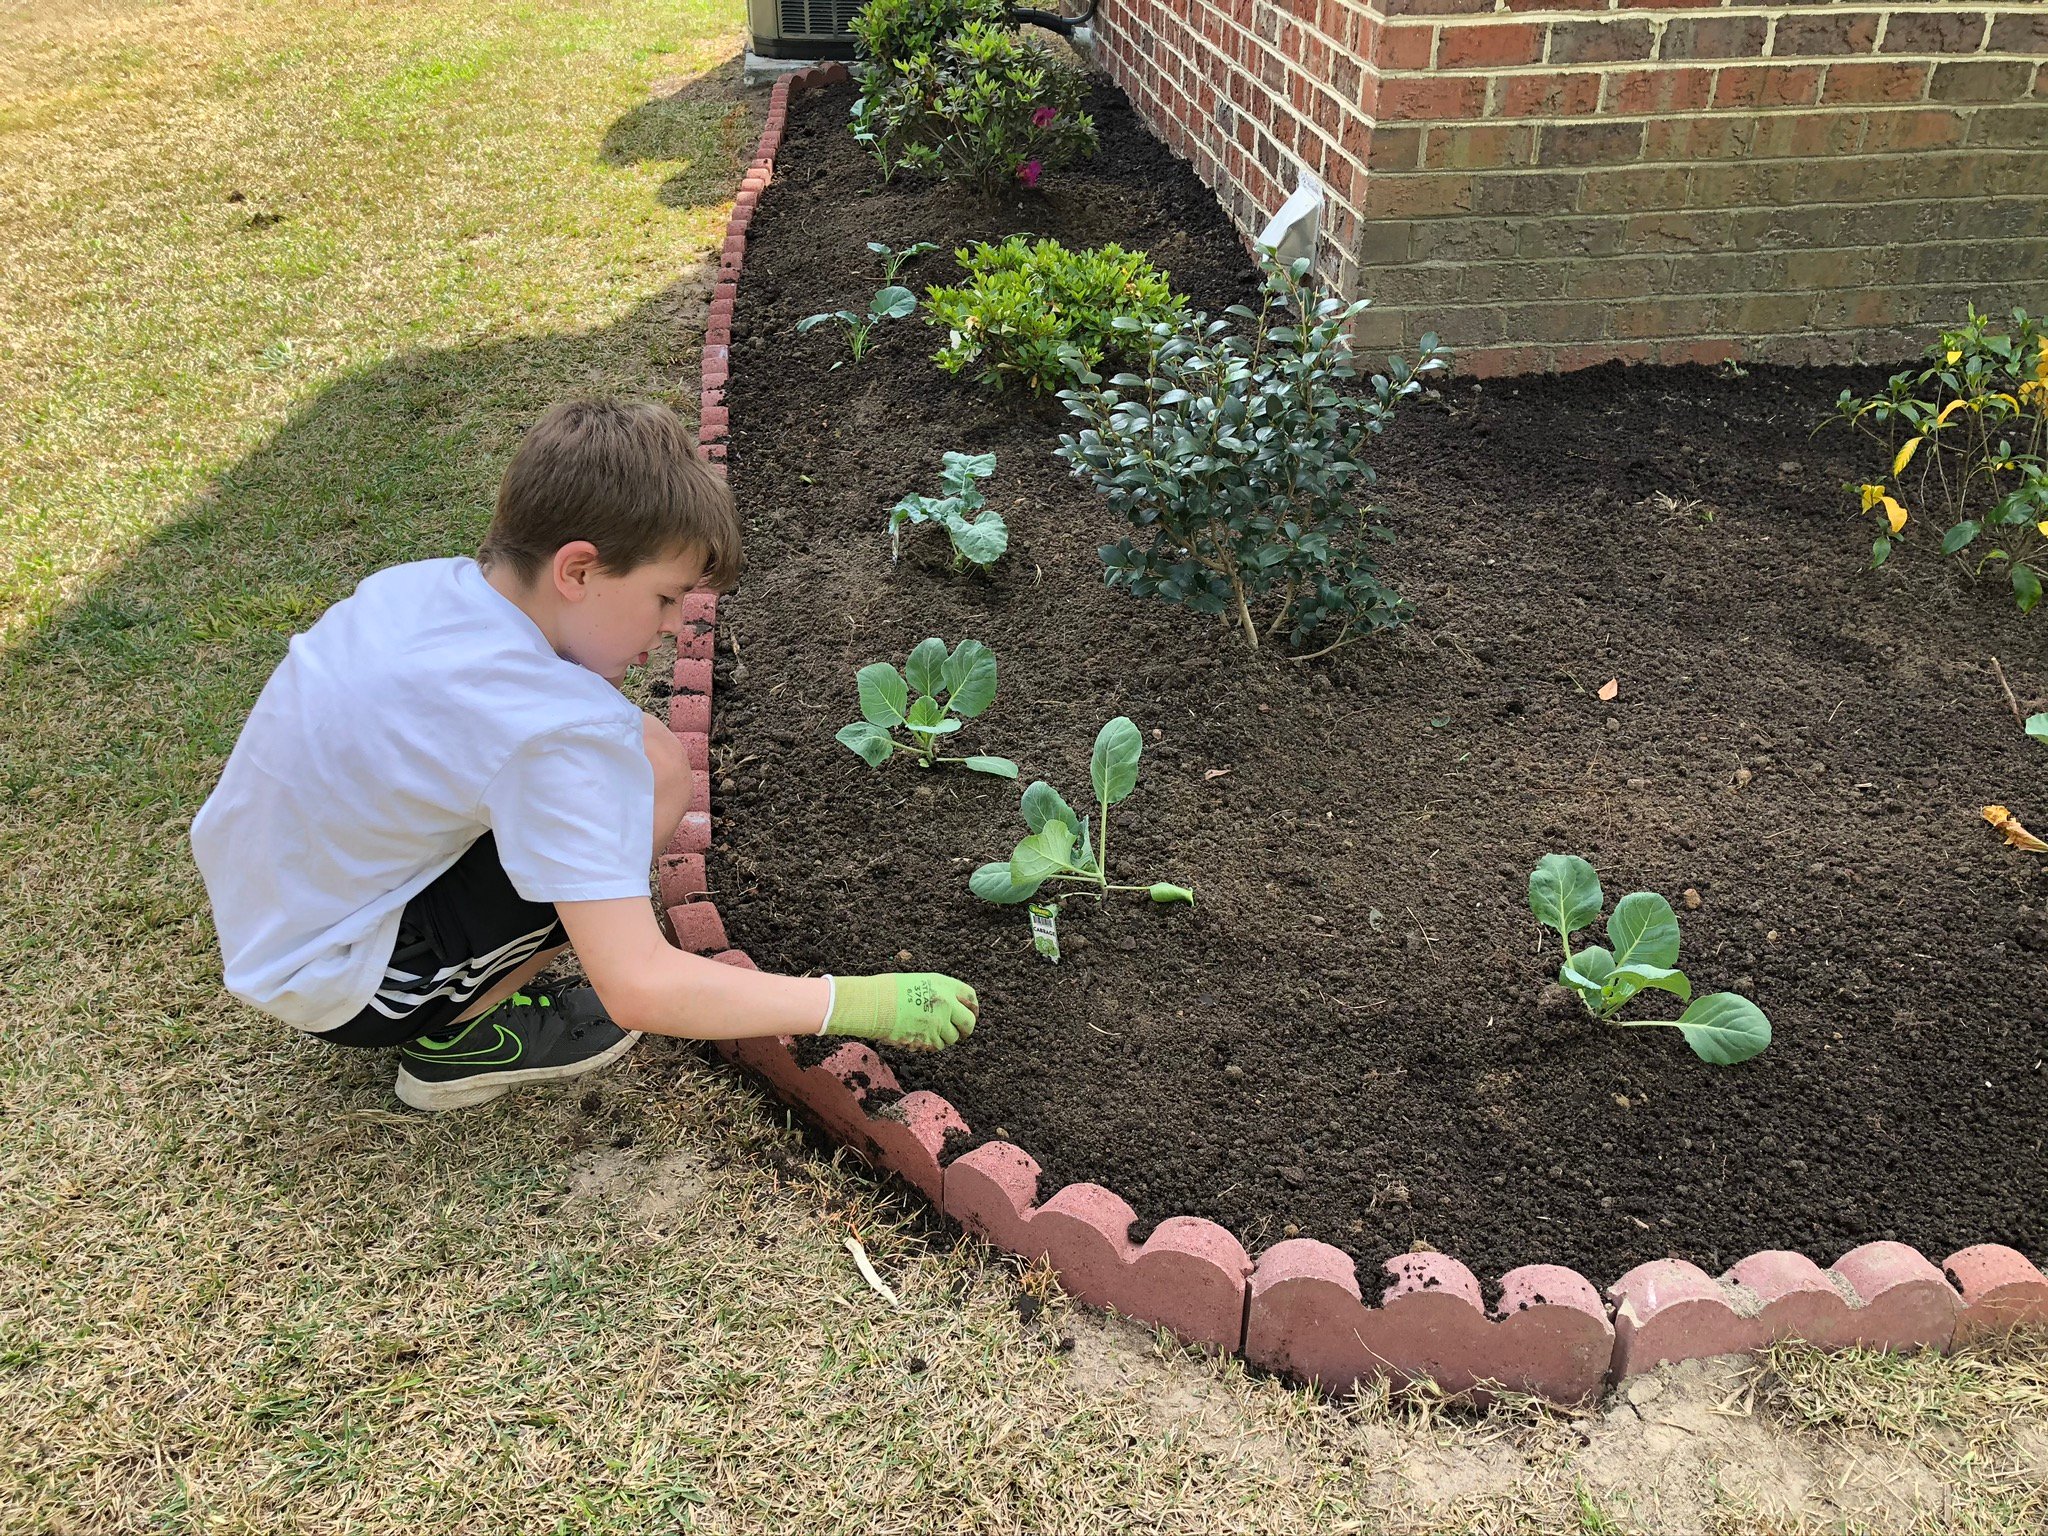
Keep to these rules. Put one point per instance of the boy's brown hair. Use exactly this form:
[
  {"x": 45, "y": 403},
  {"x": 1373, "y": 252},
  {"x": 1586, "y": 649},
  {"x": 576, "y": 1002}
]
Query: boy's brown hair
[{"x": 623, "y": 474}]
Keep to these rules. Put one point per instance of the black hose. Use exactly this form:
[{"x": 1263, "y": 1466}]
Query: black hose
[{"x": 1052, "y": 21}]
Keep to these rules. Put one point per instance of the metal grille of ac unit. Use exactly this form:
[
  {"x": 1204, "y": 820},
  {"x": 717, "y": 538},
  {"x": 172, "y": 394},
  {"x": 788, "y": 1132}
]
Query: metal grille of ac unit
[{"x": 818, "y": 18}]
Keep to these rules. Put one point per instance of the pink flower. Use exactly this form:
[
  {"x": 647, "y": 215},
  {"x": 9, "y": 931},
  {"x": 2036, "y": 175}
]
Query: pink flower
[
  {"x": 1045, "y": 117},
  {"x": 1029, "y": 171}
]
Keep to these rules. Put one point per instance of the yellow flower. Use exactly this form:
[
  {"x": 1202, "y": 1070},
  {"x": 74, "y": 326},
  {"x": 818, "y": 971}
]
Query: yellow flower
[{"x": 1955, "y": 355}]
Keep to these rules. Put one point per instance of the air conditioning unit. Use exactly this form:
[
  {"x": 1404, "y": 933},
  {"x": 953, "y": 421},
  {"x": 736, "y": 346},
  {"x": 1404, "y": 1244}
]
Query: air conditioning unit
[{"x": 802, "y": 29}]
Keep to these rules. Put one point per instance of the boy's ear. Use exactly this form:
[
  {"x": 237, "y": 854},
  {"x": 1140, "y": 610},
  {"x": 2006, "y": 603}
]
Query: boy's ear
[{"x": 573, "y": 566}]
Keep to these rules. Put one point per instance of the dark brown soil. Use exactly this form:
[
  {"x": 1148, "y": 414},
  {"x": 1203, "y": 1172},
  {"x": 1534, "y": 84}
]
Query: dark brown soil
[{"x": 1349, "y": 1036}]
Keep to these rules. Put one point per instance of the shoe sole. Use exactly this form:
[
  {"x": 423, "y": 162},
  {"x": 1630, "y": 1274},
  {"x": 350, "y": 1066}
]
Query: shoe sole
[{"x": 467, "y": 1093}]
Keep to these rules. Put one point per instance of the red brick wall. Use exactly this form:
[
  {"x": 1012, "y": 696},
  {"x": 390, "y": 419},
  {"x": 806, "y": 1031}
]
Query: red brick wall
[{"x": 1550, "y": 185}]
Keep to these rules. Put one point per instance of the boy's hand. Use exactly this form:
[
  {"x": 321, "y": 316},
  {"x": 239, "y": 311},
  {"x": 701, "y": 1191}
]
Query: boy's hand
[{"x": 919, "y": 1011}]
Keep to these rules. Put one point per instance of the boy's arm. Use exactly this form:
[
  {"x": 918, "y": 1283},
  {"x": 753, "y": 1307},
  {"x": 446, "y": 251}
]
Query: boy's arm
[{"x": 647, "y": 984}]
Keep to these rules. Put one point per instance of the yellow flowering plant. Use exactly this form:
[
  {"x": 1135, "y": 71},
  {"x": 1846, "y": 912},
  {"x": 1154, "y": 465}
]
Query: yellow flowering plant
[{"x": 1966, "y": 441}]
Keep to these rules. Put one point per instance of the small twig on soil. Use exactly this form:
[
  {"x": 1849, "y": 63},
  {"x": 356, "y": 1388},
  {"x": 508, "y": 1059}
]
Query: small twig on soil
[
  {"x": 867, "y": 1271},
  {"x": 2010, "y": 698}
]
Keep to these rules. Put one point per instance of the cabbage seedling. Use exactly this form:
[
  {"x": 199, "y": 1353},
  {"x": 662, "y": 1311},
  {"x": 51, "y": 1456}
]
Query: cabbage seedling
[
  {"x": 1565, "y": 894},
  {"x": 949, "y": 688},
  {"x": 891, "y": 303},
  {"x": 979, "y": 540},
  {"x": 893, "y": 260},
  {"x": 1061, "y": 846}
]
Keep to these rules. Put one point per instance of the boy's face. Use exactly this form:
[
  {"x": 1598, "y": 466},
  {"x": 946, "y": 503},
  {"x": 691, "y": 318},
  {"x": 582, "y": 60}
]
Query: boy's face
[{"x": 617, "y": 618}]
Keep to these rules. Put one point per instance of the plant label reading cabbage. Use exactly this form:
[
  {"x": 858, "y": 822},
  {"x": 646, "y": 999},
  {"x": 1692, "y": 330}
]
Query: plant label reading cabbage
[
  {"x": 1045, "y": 931},
  {"x": 1642, "y": 935}
]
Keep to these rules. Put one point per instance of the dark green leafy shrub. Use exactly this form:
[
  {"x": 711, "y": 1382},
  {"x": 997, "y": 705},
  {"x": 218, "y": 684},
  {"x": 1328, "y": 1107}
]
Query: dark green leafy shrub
[
  {"x": 1043, "y": 313},
  {"x": 1239, "y": 458},
  {"x": 983, "y": 106},
  {"x": 891, "y": 32}
]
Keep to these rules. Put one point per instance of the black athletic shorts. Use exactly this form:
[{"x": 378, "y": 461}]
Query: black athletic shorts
[{"x": 457, "y": 937}]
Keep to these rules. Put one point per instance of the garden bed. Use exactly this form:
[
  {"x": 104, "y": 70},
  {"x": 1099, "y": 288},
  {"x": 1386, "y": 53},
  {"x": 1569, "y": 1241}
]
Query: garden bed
[{"x": 1349, "y": 1036}]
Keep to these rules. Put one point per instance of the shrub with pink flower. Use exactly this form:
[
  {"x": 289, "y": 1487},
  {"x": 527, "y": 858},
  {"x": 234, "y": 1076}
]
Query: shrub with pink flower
[{"x": 983, "y": 106}]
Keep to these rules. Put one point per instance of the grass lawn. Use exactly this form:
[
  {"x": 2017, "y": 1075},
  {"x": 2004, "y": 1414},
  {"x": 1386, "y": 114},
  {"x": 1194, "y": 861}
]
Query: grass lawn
[{"x": 280, "y": 285}]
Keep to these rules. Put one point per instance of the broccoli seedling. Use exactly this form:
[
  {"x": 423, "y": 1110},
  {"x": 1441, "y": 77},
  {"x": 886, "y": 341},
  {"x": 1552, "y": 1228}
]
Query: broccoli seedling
[
  {"x": 1061, "y": 846},
  {"x": 950, "y": 688},
  {"x": 981, "y": 540},
  {"x": 1565, "y": 895},
  {"x": 891, "y": 303}
]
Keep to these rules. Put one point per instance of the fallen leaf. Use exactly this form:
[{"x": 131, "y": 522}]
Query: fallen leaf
[
  {"x": 1609, "y": 689},
  {"x": 1214, "y": 773},
  {"x": 2016, "y": 836}
]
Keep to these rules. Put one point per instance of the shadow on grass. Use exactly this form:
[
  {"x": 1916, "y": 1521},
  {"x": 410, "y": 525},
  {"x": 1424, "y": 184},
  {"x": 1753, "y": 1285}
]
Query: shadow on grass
[{"x": 706, "y": 125}]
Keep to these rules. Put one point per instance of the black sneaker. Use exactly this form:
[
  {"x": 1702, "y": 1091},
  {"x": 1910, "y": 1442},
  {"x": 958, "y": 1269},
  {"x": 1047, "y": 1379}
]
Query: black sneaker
[{"x": 525, "y": 1039}]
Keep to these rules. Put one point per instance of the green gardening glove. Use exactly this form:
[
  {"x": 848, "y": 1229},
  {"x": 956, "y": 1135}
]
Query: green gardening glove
[{"x": 917, "y": 1010}]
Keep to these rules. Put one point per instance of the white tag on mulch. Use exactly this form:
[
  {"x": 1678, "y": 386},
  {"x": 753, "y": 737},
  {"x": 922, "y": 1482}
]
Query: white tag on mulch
[{"x": 1045, "y": 934}]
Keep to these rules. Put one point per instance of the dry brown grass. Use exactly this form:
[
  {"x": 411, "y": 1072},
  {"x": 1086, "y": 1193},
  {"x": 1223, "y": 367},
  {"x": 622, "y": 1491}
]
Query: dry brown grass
[{"x": 240, "y": 1290}]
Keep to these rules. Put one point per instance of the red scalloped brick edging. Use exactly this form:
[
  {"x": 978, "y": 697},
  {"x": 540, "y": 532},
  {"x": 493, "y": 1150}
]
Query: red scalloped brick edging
[{"x": 1300, "y": 1308}]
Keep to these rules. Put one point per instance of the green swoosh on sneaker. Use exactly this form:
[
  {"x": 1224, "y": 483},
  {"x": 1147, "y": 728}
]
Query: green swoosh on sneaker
[{"x": 492, "y": 1055}]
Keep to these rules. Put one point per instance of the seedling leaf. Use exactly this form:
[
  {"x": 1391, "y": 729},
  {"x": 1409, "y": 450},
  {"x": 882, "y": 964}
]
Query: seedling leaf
[
  {"x": 892, "y": 303},
  {"x": 1564, "y": 893},
  {"x": 1043, "y": 854},
  {"x": 981, "y": 541},
  {"x": 925, "y": 670},
  {"x": 1162, "y": 892},
  {"x": 928, "y": 718},
  {"x": 1113, "y": 765},
  {"x": 2037, "y": 727},
  {"x": 1043, "y": 803},
  {"x": 1001, "y": 767},
  {"x": 871, "y": 742},
  {"x": 970, "y": 678},
  {"x": 1637, "y": 977},
  {"x": 1643, "y": 930},
  {"x": 1724, "y": 1028},
  {"x": 882, "y": 694},
  {"x": 993, "y": 882}
]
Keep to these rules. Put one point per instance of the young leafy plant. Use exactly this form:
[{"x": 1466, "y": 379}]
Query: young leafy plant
[
  {"x": 893, "y": 260},
  {"x": 1238, "y": 458},
  {"x": 1044, "y": 314},
  {"x": 2037, "y": 727},
  {"x": 1564, "y": 893},
  {"x": 1061, "y": 846},
  {"x": 979, "y": 541},
  {"x": 1966, "y": 439},
  {"x": 949, "y": 687},
  {"x": 891, "y": 303}
]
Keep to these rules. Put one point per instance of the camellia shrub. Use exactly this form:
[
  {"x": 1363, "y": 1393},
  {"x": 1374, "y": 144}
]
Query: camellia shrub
[
  {"x": 1966, "y": 439},
  {"x": 892, "y": 32},
  {"x": 1239, "y": 459},
  {"x": 1046, "y": 315},
  {"x": 982, "y": 106}
]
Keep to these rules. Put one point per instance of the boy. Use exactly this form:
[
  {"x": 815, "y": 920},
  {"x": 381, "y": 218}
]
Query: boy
[{"x": 441, "y": 788}]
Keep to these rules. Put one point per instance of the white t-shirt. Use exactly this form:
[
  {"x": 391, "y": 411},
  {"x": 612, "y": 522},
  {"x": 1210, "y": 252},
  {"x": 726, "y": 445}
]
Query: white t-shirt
[{"x": 416, "y": 715}]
